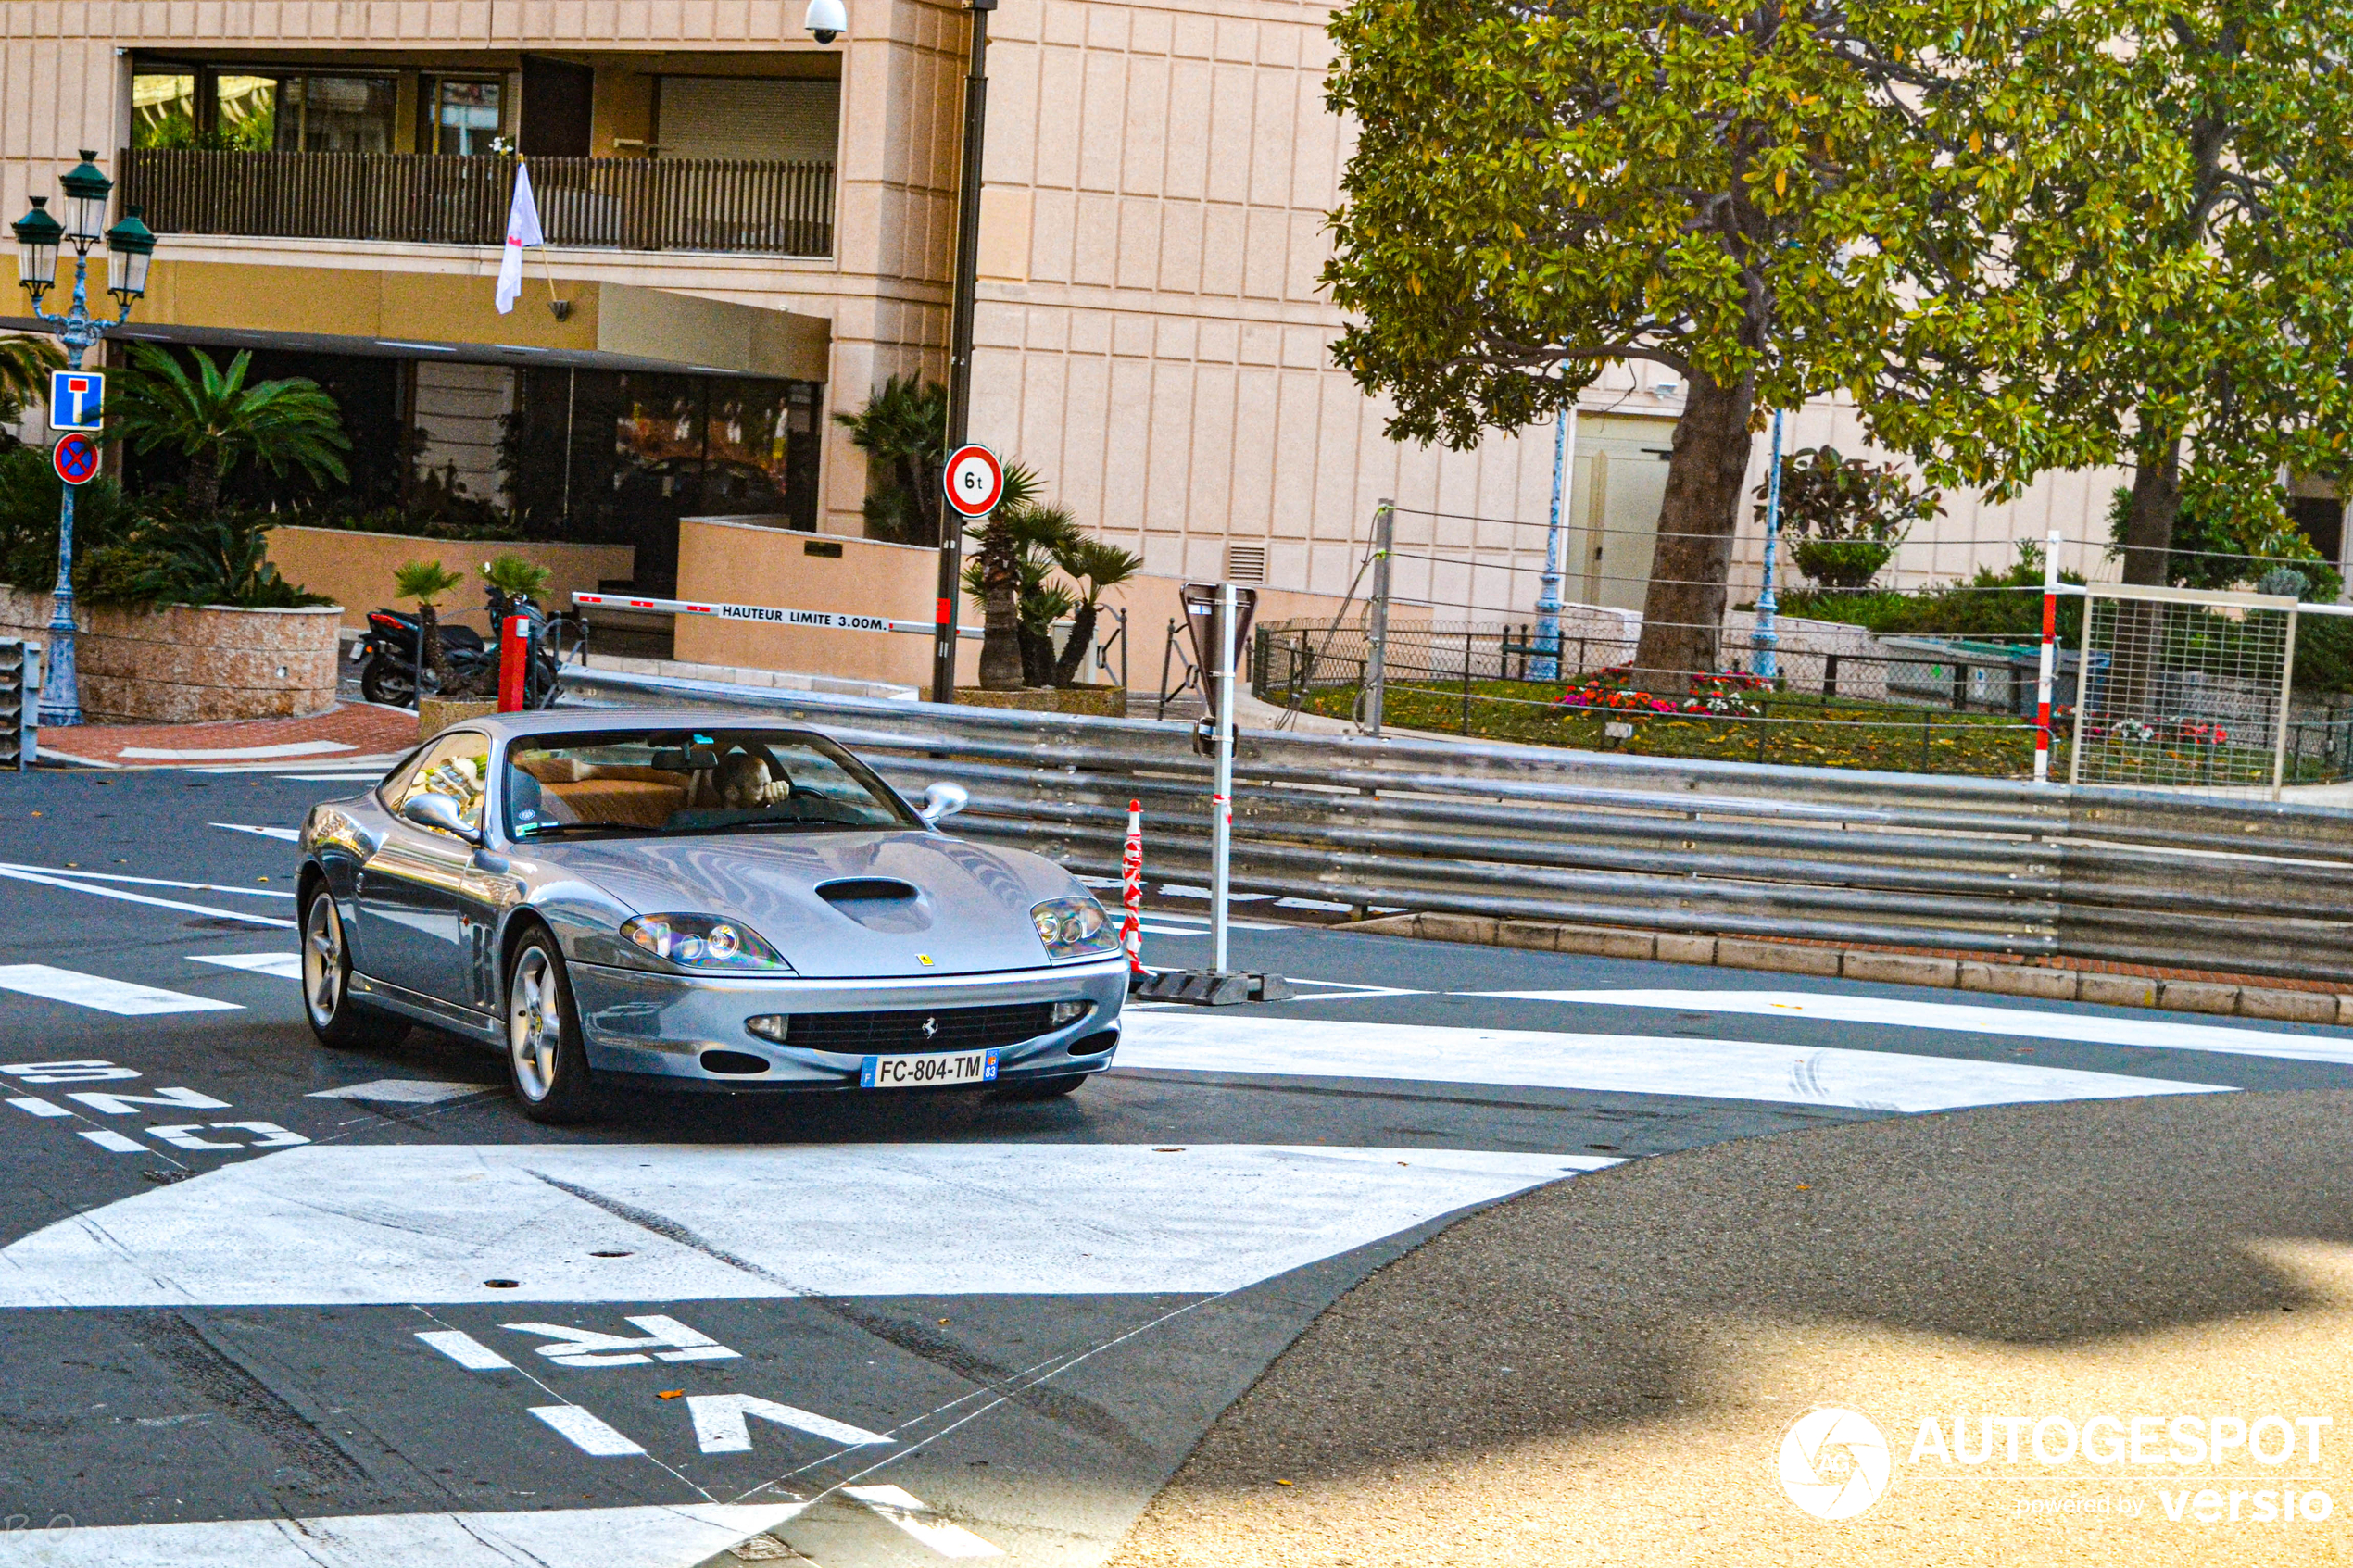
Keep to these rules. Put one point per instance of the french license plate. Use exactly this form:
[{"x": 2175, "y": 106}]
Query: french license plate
[{"x": 928, "y": 1070}]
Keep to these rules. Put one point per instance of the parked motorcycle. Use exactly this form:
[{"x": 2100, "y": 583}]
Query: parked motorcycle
[{"x": 389, "y": 652}]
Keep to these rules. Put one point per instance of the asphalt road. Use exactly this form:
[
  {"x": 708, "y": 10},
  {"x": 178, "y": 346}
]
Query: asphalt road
[{"x": 268, "y": 1303}]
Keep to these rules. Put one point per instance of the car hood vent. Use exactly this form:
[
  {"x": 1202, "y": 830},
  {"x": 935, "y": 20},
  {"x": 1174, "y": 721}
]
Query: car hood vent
[{"x": 878, "y": 903}]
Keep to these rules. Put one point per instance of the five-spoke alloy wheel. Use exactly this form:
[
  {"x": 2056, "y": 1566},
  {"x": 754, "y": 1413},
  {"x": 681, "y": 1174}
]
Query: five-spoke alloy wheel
[
  {"x": 337, "y": 1017},
  {"x": 545, "y": 1059}
]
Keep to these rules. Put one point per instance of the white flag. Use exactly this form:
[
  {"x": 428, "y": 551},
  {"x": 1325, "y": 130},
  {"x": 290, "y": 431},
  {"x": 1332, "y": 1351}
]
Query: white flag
[{"x": 523, "y": 229}]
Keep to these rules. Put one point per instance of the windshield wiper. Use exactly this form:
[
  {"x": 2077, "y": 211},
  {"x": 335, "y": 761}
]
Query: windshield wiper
[{"x": 558, "y": 830}]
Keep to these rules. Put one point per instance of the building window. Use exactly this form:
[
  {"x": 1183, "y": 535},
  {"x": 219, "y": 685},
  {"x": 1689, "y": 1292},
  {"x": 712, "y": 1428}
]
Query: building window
[
  {"x": 465, "y": 115},
  {"x": 163, "y": 110},
  {"x": 336, "y": 114}
]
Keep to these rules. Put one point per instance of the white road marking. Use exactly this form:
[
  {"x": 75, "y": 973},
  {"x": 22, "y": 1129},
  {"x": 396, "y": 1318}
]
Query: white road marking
[
  {"x": 2161, "y": 1034},
  {"x": 410, "y": 1223},
  {"x": 915, "y": 1516},
  {"x": 67, "y": 1072},
  {"x": 74, "y": 873},
  {"x": 675, "y": 1537},
  {"x": 581, "y": 1347},
  {"x": 108, "y": 1139},
  {"x": 267, "y": 1134},
  {"x": 96, "y": 991},
  {"x": 402, "y": 1091},
  {"x": 1185, "y": 1041},
  {"x": 291, "y": 835},
  {"x": 127, "y": 898},
  {"x": 720, "y": 1426},
  {"x": 1344, "y": 991},
  {"x": 32, "y": 1105},
  {"x": 466, "y": 1351},
  {"x": 239, "y": 752},
  {"x": 286, "y": 966},
  {"x": 106, "y": 1104},
  {"x": 587, "y": 1433}
]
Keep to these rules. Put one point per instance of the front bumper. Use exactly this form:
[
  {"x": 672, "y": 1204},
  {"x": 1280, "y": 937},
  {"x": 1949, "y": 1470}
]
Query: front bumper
[{"x": 659, "y": 1025}]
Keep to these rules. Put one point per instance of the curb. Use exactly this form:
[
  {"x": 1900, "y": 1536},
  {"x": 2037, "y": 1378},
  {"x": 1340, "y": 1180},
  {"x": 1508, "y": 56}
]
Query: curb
[{"x": 2037, "y": 980}]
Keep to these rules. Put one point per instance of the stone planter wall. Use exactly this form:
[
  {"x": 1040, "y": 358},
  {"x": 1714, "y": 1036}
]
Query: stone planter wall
[
  {"x": 1104, "y": 701},
  {"x": 189, "y": 666}
]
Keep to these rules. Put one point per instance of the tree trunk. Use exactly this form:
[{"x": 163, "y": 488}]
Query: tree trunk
[
  {"x": 1037, "y": 658},
  {"x": 1082, "y": 638},
  {"x": 1683, "y": 611},
  {"x": 2138, "y": 631},
  {"x": 429, "y": 631},
  {"x": 204, "y": 482}
]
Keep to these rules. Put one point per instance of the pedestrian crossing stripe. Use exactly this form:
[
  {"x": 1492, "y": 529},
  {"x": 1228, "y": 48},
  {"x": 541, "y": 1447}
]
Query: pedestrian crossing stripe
[{"x": 119, "y": 996}]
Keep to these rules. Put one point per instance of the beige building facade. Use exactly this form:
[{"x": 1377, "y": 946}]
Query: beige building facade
[{"x": 750, "y": 232}]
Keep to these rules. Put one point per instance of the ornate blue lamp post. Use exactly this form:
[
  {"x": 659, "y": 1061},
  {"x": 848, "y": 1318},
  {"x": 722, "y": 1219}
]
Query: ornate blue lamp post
[
  {"x": 38, "y": 235},
  {"x": 1768, "y": 633}
]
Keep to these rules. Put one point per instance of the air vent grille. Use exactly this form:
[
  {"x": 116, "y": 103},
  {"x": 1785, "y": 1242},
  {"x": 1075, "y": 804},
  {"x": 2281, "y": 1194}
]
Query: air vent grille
[{"x": 1245, "y": 563}]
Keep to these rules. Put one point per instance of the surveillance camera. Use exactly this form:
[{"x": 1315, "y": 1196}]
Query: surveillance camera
[{"x": 826, "y": 20}]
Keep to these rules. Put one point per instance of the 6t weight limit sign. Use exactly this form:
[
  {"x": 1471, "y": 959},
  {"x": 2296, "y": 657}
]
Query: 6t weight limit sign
[{"x": 974, "y": 481}]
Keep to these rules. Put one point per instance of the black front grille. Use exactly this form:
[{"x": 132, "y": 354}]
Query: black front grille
[{"x": 952, "y": 1029}]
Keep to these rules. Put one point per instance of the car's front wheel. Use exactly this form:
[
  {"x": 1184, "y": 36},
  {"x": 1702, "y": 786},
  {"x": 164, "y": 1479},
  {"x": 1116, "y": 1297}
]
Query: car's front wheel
[
  {"x": 337, "y": 1017},
  {"x": 545, "y": 1062}
]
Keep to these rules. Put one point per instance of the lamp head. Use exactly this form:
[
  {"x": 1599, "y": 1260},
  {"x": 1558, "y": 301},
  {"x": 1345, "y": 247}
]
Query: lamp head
[
  {"x": 133, "y": 246},
  {"x": 826, "y": 20},
  {"x": 38, "y": 236},
  {"x": 86, "y": 190}
]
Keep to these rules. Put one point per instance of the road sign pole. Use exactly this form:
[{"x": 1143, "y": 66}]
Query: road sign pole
[
  {"x": 1221, "y": 827},
  {"x": 973, "y": 482}
]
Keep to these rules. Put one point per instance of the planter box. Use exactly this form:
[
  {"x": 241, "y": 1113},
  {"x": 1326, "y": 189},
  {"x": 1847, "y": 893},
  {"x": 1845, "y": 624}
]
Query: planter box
[
  {"x": 439, "y": 713},
  {"x": 190, "y": 665},
  {"x": 1109, "y": 702}
]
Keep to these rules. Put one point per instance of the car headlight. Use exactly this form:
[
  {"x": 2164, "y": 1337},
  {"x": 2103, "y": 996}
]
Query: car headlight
[
  {"x": 1074, "y": 928},
  {"x": 704, "y": 941}
]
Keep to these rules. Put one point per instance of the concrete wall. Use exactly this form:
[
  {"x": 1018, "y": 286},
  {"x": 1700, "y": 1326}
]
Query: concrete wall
[
  {"x": 354, "y": 570},
  {"x": 753, "y": 564},
  {"x": 187, "y": 665}
]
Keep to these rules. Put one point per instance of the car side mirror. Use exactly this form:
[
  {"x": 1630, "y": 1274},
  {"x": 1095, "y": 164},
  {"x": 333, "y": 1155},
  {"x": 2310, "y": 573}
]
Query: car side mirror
[
  {"x": 943, "y": 800},
  {"x": 439, "y": 813}
]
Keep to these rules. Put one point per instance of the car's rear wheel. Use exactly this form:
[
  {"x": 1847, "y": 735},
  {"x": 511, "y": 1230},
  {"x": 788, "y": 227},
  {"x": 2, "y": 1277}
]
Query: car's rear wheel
[
  {"x": 545, "y": 1062},
  {"x": 1040, "y": 1088},
  {"x": 337, "y": 1017}
]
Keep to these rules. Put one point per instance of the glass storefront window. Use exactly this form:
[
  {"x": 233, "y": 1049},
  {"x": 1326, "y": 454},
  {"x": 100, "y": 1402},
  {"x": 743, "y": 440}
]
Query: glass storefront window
[
  {"x": 337, "y": 113},
  {"x": 163, "y": 110},
  {"x": 466, "y": 117}
]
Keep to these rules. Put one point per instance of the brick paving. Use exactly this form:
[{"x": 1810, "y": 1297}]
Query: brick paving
[{"x": 359, "y": 729}]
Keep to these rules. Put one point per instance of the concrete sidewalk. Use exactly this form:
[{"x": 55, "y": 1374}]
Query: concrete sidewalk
[
  {"x": 351, "y": 731},
  {"x": 1610, "y": 1370}
]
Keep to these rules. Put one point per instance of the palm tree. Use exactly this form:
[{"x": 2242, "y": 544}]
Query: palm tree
[
  {"x": 219, "y": 423},
  {"x": 25, "y": 364},
  {"x": 425, "y": 582},
  {"x": 1094, "y": 565},
  {"x": 905, "y": 428},
  {"x": 1017, "y": 526}
]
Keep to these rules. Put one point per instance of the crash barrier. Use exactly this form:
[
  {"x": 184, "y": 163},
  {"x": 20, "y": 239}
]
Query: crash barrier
[
  {"x": 1976, "y": 865},
  {"x": 19, "y": 702}
]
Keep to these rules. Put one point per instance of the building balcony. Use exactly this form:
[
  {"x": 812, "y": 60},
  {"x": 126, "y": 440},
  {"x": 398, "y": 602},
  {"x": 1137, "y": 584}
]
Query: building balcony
[{"x": 729, "y": 206}]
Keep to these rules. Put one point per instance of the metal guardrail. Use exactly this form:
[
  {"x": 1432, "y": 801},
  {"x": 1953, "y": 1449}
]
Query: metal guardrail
[
  {"x": 1608, "y": 839},
  {"x": 19, "y": 702}
]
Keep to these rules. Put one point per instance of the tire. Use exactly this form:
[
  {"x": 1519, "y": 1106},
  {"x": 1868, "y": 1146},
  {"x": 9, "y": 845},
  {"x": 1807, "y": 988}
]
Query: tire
[
  {"x": 546, "y": 1065},
  {"x": 340, "y": 1020},
  {"x": 1039, "y": 1088},
  {"x": 391, "y": 683}
]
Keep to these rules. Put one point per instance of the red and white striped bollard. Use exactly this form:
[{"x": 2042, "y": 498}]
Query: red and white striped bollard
[{"x": 1131, "y": 888}]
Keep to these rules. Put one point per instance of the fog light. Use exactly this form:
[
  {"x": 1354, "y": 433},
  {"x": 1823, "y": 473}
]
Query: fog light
[
  {"x": 769, "y": 1026},
  {"x": 1070, "y": 1013}
]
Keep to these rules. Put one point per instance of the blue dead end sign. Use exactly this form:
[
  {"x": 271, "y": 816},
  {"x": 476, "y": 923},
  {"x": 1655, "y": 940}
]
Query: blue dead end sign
[
  {"x": 77, "y": 399},
  {"x": 76, "y": 458}
]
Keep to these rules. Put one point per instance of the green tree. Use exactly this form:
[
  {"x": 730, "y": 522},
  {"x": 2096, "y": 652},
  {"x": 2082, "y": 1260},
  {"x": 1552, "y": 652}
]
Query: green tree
[
  {"x": 427, "y": 582},
  {"x": 1095, "y": 565},
  {"x": 219, "y": 423},
  {"x": 25, "y": 364},
  {"x": 903, "y": 431},
  {"x": 2173, "y": 184},
  {"x": 1744, "y": 192}
]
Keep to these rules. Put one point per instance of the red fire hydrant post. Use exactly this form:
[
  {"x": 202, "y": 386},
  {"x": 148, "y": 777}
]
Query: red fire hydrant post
[
  {"x": 1131, "y": 888},
  {"x": 514, "y": 660}
]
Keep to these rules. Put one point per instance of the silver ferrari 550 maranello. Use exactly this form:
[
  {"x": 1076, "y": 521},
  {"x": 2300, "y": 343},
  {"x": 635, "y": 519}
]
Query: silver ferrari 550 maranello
[{"x": 686, "y": 901}]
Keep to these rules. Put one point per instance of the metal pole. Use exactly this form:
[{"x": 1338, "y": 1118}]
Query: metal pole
[
  {"x": 1221, "y": 827},
  {"x": 2082, "y": 689},
  {"x": 2287, "y": 685},
  {"x": 2050, "y": 660},
  {"x": 1766, "y": 637},
  {"x": 1548, "y": 593},
  {"x": 61, "y": 689},
  {"x": 959, "y": 350},
  {"x": 1377, "y": 667}
]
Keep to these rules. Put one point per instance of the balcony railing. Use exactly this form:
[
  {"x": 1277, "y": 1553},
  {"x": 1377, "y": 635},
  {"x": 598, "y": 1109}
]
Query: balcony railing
[{"x": 625, "y": 204}]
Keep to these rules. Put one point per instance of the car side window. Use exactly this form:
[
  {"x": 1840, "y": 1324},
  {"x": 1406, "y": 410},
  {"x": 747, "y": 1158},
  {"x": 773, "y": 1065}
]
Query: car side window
[{"x": 458, "y": 765}]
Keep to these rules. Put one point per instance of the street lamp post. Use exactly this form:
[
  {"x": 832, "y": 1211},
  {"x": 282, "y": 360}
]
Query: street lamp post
[
  {"x": 1547, "y": 666},
  {"x": 1766, "y": 637},
  {"x": 39, "y": 236}
]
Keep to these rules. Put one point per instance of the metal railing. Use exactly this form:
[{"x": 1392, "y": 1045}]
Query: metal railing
[
  {"x": 19, "y": 702},
  {"x": 1534, "y": 833},
  {"x": 624, "y": 204}
]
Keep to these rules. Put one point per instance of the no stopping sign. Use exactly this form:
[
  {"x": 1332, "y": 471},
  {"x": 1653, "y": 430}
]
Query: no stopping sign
[
  {"x": 76, "y": 459},
  {"x": 974, "y": 481}
]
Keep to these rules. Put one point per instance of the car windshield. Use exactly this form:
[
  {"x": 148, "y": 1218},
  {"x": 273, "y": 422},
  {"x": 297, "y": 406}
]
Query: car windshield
[{"x": 650, "y": 783}]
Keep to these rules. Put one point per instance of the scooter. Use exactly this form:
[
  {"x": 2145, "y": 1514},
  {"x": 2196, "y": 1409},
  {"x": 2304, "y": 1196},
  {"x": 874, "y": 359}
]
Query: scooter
[{"x": 389, "y": 652}]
